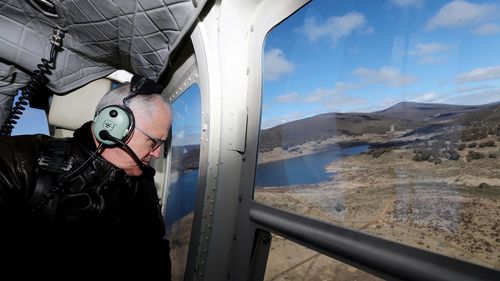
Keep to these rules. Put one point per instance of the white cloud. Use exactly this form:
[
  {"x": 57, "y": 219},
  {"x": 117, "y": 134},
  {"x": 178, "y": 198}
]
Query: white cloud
[
  {"x": 462, "y": 13},
  {"x": 320, "y": 94},
  {"x": 479, "y": 74},
  {"x": 276, "y": 65},
  {"x": 475, "y": 97},
  {"x": 427, "y": 97},
  {"x": 335, "y": 27},
  {"x": 487, "y": 29},
  {"x": 336, "y": 99},
  {"x": 271, "y": 122},
  {"x": 427, "y": 52},
  {"x": 287, "y": 98},
  {"x": 462, "y": 89},
  {"x": 426, "y": 49},
  {"x": 387, "y": 75},
  {"x": 178, "y": 137},
  {"x": 408, "y": 3}
]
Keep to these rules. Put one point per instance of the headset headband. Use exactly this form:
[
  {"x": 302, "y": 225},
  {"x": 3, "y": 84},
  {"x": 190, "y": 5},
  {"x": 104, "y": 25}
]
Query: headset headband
[{"x": 140, "y": 85}]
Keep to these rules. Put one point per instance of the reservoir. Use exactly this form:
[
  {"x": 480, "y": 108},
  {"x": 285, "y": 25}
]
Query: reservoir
[
  {"x": 308, "y": 169},
  {"x": 182, "y": 196}
]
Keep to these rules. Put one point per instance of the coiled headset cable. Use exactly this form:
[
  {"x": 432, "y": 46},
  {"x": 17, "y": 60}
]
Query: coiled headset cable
[{"x": 38, "y": 80}]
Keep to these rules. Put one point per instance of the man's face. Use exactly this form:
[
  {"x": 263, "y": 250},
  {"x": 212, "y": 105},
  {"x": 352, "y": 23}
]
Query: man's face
[{"x": 147, "y": 138}]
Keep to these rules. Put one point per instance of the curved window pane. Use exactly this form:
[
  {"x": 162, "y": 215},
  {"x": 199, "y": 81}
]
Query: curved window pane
[
  {"x": 183, "y": 176},
  {"x": 383, "y": 116}
]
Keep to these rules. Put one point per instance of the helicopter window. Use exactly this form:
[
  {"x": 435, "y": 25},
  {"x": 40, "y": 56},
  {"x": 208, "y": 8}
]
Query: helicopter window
[
  {"x": 384, "y": 118},
  {"x": 183, "y": 176}
]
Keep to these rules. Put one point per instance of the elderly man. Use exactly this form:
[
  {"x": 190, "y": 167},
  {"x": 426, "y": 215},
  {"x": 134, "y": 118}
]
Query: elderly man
[{"x": 90, "y": 199}]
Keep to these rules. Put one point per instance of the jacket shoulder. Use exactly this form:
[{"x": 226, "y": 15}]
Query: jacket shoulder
[{"x": 19, "y": 160}]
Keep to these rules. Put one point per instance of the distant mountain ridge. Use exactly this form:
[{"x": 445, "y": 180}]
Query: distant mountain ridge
[
  {"x": 425, "y": 111},
  {"x": 401, "y": 116}
]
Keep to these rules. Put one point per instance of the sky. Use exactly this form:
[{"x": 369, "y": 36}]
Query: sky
[
  {"x": 186, "y": 128},
  {"x": 32, "y": 121},
  {"x": 364, "y": 56}
]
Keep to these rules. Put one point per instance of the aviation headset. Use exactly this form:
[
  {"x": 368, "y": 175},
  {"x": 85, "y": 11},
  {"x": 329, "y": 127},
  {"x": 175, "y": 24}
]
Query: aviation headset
[{"x": 118, "y": 120}]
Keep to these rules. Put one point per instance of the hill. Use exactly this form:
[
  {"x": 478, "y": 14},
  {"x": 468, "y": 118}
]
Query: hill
[
  {"x": 426, "y": 111},
  {"x": 414, "y": 118}
]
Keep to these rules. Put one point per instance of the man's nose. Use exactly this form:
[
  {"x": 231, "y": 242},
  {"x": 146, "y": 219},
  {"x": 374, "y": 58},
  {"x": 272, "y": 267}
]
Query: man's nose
[{"x": 156, "y": 152}]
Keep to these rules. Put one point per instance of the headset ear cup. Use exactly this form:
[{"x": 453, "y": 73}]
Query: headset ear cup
[{"x": 117, "y": 120}]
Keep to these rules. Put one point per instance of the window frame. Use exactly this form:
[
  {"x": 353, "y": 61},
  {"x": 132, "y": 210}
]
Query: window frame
[
  {"x": 231, "y": 232},
  {"x": 378, "y": 256},
  {"x": 186, "y": 73}
]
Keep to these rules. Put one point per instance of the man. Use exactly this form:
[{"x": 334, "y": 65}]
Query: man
[{"x": 90, "y": 199}]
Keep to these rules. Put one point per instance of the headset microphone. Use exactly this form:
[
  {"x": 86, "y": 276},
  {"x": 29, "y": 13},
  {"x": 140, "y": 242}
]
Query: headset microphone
[{"x": 105, "y": 135}]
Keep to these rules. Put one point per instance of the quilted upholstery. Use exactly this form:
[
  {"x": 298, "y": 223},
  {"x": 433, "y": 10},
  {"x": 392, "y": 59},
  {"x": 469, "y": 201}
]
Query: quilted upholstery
[{"x": 102, "y": 36}]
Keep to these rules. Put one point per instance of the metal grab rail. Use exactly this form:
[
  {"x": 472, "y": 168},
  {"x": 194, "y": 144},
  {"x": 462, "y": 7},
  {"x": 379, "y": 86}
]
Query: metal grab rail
[{"x": 381, "y": 257}]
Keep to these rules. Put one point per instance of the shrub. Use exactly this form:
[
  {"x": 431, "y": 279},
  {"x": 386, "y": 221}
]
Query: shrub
[
  {"x": 474, "y": 133},
  {"x": 453, "y": 155},
  {"x": 474, "y": 155},
  {"x": 489, "y": 143},
  {"x": 483, "y": 185},
  {"x": 379, "y": 151},
  {"x": 422, "y": 155}
]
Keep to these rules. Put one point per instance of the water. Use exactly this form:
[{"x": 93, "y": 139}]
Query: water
[
  {"x": 308, "y": 169},
  {"x": 181, "y": 197}
]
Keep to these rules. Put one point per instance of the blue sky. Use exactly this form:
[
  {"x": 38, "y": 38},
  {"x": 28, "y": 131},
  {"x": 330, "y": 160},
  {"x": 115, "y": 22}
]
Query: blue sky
[
  {"x": 186, "y": 109},
  {"x": 32, "y": 121},
  {"x": 363, "y": 56}
]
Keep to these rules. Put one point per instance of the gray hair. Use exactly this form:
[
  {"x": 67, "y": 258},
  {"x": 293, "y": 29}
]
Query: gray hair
[{"x": 141, "y": 104}]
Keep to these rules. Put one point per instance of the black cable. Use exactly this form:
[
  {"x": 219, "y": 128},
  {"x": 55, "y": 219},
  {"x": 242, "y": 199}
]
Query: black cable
[
  {"x": 38, "y": 80},
  {"x": 105, "y": 135},
  {"x": 82, "y": 166}
]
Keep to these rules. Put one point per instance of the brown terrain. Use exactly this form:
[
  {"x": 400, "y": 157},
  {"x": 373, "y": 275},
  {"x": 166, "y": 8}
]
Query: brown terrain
[
  {"x": 431, "y": 180},
  {"x": 452, "y": 208}
]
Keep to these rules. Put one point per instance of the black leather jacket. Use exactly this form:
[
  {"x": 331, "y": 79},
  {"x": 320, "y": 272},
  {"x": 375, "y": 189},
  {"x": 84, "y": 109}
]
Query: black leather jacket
[
  {"x": 101, "y": 200},
  {"x": 104, "y": 225}
]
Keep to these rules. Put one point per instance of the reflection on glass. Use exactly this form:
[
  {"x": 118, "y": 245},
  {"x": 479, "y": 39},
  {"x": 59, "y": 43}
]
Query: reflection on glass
[
  {"x": 384, "y": 116},
  {"x": 183, "y": 176},
  {"x": 290, "y": 261}
]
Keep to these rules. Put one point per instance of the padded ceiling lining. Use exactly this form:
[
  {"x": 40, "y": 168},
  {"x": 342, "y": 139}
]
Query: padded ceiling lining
[{"x": 102, "y": 36}]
